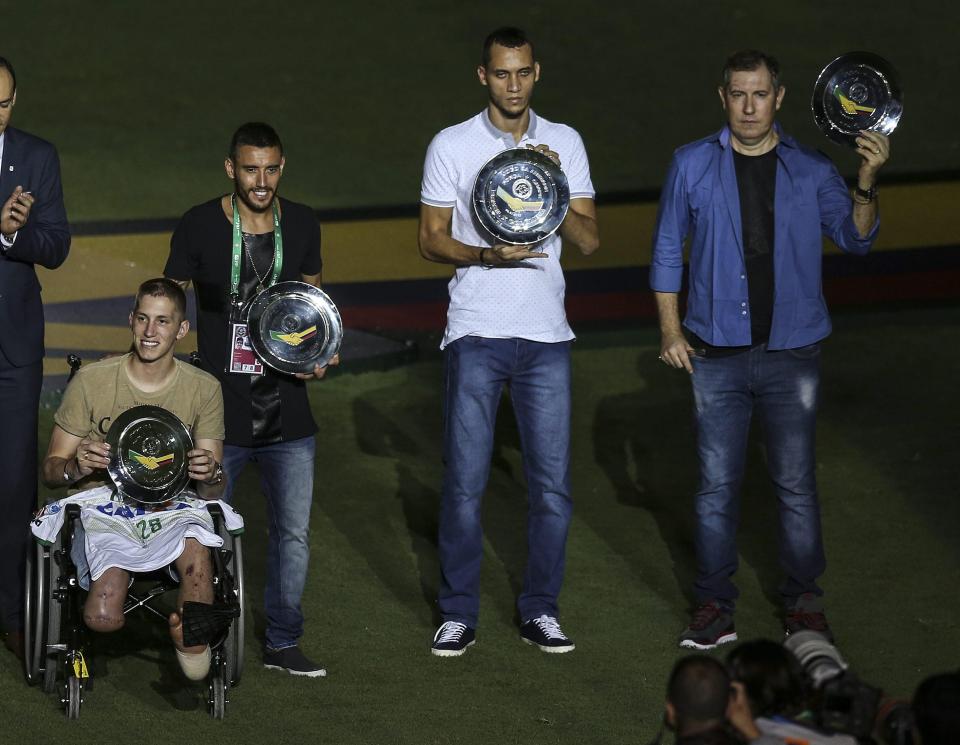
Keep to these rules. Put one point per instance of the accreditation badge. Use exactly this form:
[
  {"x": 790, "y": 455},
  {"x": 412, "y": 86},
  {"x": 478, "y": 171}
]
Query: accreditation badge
[{"x": 241, "y": 358}]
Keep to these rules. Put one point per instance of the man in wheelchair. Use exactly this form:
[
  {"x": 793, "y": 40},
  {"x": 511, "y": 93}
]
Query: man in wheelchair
[{"x": 121, "y": 538}]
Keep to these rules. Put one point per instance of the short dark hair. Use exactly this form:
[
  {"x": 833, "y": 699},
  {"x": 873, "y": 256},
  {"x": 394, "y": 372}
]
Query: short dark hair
[
  {"x": 506, "y": 36},
  {"x": 936, "y": 709},
  {"x": 771, "y": 676},
  {"x": 254, "y": 134},
  {"x": 5, "y": 65},
  {"x": 699, "y": 690},
  {"x": 748, "y": 60},
  {"x": 163, "y": 287}
]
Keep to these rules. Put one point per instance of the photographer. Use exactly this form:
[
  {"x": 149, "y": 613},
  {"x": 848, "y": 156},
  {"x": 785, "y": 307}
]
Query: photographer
[
  {"x": 772, "y": 680},
  {"x": 702, "y": 707}
]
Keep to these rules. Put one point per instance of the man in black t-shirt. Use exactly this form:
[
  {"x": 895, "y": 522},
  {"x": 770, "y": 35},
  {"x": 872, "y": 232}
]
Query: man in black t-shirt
[{"x": 266, "y": 414}]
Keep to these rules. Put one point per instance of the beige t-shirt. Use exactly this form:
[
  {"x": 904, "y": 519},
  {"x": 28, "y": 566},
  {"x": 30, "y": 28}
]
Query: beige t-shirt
[{"x": 101, "y": 391}]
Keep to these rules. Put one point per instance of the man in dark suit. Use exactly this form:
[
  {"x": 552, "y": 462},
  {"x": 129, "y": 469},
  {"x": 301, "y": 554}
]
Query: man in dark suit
[{"x": 33, "y": 230}]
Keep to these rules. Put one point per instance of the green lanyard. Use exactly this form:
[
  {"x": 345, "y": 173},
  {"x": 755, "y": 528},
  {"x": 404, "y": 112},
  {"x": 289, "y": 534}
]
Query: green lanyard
[{"x": 238, "y": 249}]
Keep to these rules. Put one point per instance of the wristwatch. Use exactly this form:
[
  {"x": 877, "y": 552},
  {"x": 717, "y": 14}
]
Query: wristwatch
[
  {"x": 217, "y": 476},
  {"x": 868, "y": 194},
  {"x": 67, "y": 479}
]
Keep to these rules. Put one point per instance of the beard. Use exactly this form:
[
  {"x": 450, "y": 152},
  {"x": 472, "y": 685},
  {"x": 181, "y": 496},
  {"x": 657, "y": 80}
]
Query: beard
[{"x": 244, "y": 196}]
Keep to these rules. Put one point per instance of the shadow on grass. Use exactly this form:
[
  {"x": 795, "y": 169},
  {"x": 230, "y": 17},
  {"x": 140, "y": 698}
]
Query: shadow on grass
[
  {"x": 644, "y": 443},
  {"x": 145, "y": 640},
  {"x": 411, "y": 449},
  {"x": 403, "y": 453}
]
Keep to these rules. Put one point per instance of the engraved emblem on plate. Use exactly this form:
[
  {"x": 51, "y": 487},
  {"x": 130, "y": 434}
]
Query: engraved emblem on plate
[
  {"x": 520, "y": 196},
  {"x": 294, "y": 326},
  {"x": 148, "y": 454}
]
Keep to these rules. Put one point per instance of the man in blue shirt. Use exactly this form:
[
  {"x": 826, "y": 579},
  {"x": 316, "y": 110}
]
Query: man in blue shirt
[{"x": 754, "y": 205}]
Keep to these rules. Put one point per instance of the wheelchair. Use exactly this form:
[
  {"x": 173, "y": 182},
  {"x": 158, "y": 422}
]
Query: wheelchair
[{"x": 56, "y": 638}]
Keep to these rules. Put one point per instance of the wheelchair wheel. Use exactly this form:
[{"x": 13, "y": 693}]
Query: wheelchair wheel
[
  {"x": 234, "y": 644},
  {"x": 32, "y": 614},
  {"x": 217, "y": 691},
  {"x": 49, "y": 646},
  {"x": 72, "y": 697}
]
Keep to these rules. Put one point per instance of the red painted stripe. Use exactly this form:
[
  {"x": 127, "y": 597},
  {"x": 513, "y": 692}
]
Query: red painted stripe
[{"x": 618, "y": 306}]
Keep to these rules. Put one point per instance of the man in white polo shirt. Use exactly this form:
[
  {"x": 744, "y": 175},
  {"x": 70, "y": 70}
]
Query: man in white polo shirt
[{"x": 506, "y": 326}]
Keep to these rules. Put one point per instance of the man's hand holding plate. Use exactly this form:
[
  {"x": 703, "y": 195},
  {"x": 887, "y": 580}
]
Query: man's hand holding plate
[
  {"x": 545, "y": 149},
  {"x": 319, "y": 372},
  {"x": 91, "y": 455}
]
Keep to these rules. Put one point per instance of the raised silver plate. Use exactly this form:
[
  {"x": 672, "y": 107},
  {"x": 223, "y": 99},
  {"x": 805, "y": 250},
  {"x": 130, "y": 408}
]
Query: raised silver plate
[{"x": 858, "y": 90}]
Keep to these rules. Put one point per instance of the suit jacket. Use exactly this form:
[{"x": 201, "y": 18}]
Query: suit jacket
[{"x": 33, "y": 164}]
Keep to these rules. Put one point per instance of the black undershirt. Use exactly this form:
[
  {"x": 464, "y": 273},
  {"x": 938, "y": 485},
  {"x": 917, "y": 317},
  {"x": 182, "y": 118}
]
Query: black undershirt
[
  {"x": 264, "y": 389},
  {"x": 756, "y": 184}
]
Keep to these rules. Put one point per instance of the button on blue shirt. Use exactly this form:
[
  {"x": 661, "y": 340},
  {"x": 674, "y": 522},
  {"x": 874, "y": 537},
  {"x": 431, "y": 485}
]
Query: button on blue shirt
[{"x": 700, "y": 201}]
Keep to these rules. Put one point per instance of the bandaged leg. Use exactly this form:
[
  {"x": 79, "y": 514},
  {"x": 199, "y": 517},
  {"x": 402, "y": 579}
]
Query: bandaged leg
[
  {"x": 196, "y": 584},
  {"x": 194, "y": 666}
]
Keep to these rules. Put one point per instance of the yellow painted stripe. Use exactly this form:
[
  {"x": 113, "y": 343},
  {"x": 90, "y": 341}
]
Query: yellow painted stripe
[
  {"x": 100, "y": 338},
  {"x": 378, "y": 250}
]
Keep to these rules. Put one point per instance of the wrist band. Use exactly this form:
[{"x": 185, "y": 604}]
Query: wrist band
[
  {"x": 868, "y": 194},
  {"x": 484, "y": 263}
]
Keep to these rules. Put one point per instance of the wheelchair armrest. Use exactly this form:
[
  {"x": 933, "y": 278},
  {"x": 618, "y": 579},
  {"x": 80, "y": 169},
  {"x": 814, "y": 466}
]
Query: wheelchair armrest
[{"x": 216, "y": 512}]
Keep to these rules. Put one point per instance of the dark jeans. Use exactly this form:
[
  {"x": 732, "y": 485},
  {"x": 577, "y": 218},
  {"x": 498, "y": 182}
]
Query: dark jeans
[
  {"x": 783, "y": 385},
  {"x": 286, "y": 477},
  {"x": 19, "y": 398},
  {"x": 538, "y": 375}
]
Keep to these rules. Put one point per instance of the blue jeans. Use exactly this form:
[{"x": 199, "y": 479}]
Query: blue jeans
[
  {"x": 784, "y": 386},
  {"x": 538, "y": 375},
  {"x": 286, "y": 477}
]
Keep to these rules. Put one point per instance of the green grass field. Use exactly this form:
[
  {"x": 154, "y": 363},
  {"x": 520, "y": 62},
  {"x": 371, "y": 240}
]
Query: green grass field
[
  {"x": 141, "y": 98},
  {"x": 887, "y": 471}
]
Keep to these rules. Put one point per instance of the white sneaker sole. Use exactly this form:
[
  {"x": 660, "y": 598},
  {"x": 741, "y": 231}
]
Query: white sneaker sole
[
  {"x": 549, "y": 650},
  {"x": 321, "y": 673},
  {"x": 725, "y": 639},
  {"x": 451, "y": 652}
]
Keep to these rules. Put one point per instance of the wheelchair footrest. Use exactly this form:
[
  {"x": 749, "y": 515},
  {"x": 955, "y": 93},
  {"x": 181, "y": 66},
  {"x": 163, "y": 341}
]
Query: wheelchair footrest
[{"x": 202, "y": 623}]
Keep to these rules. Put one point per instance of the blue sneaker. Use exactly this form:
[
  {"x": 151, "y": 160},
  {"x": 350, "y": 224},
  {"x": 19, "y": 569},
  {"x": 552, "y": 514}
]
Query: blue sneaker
[
  {"x": 452, "y": 639},
  {"x": 545, "y": 632},
  {"x": 293, "y": 661}
]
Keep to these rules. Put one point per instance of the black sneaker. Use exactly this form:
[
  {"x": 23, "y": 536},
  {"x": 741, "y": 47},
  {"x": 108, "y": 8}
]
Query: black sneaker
[
  {"x": 806, "y": 614},
  {"x": 293, "y": 661},
  {"x": 545, "y": 633},
  {"x": 452, "y": 639},
  {"x": 710, "y": 627}
]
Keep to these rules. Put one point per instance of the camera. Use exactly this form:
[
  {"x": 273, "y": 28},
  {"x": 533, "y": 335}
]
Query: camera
[{"x": 844, "y": 703}]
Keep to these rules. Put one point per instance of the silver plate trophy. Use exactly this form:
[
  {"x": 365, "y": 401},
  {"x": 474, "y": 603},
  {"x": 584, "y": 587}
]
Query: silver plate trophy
[
  {"x": 148, "y": 454},
  {"x": 858, "y": 90},
  {"x": 520, "y": 196},
  {"x": 294, "y": 326}
]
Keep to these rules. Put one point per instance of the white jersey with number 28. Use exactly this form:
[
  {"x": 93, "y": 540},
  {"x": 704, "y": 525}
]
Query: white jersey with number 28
[{"x": 134, "y": 537}]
